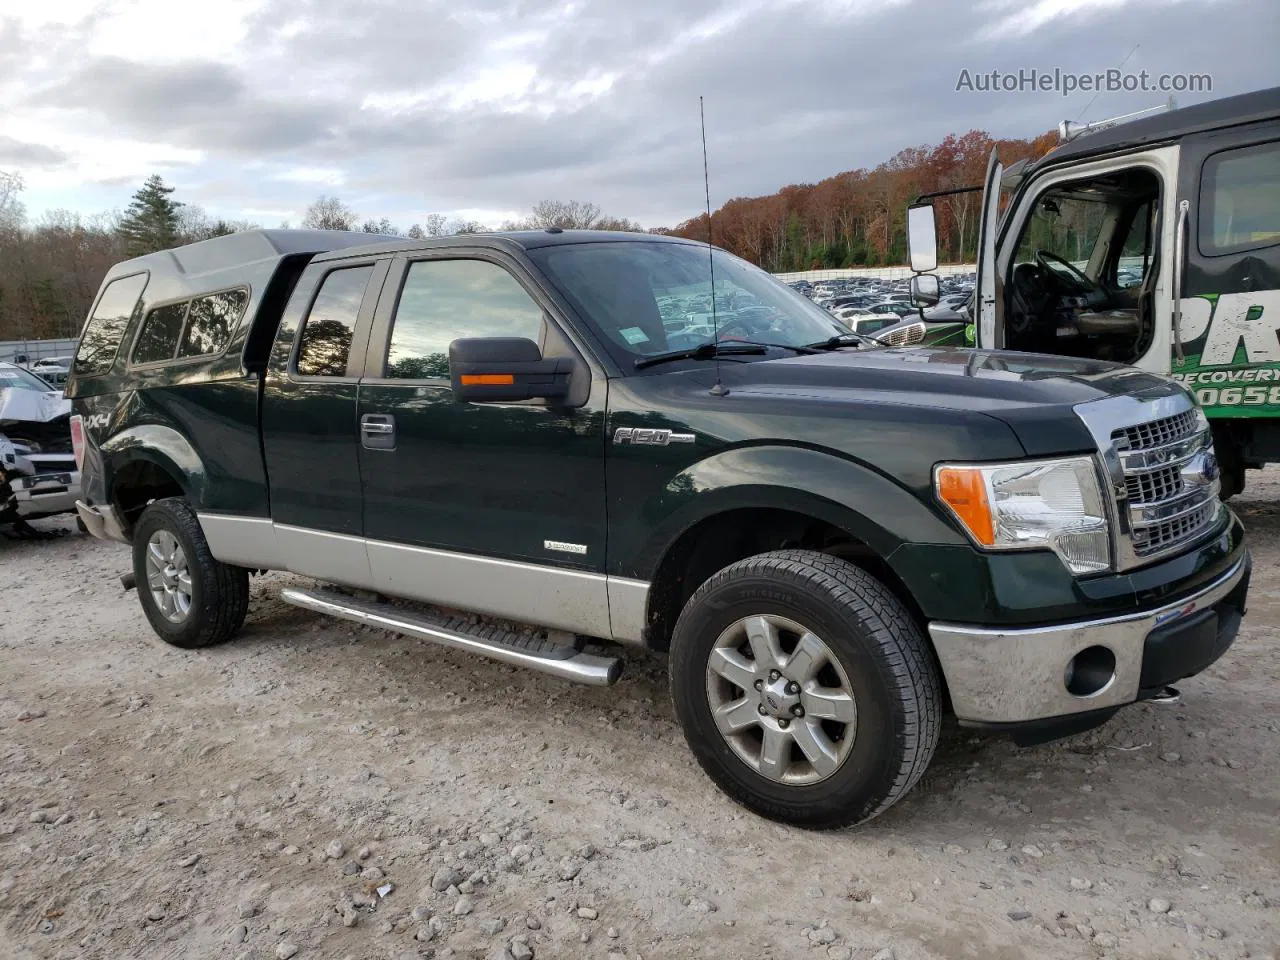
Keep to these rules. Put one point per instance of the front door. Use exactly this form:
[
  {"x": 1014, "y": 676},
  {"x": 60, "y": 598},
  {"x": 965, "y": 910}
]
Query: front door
[{"x": 496, "y": 507}]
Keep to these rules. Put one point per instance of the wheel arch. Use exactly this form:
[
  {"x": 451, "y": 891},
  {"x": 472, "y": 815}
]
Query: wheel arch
[
  {"x": 150, "y": 462},
  {"x": 723, "y": 538}
]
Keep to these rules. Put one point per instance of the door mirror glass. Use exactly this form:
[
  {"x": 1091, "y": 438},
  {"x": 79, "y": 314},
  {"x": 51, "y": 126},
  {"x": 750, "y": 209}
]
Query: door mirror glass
[
  {"x": 922, "y": 238},
  {"x": 505, "y": 369},
  {"x": 924, "y": 290}
]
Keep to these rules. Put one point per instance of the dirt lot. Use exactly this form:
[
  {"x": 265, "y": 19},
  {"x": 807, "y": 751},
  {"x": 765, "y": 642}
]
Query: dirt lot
[{"x": 250, "y": 800}]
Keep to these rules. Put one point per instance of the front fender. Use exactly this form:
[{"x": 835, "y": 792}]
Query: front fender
[
  {"x": 166, "y": 448},
  {"x": 853, "y": 496}
]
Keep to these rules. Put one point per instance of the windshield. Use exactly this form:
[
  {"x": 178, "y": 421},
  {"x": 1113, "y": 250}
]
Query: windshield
[
  {"x": 19, "y": 378},
  {"x": 649, "y": 298}
]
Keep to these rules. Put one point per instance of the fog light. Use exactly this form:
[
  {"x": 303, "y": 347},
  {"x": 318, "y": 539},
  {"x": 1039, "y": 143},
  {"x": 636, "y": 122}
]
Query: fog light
[{"x": 1090, "y": 671}]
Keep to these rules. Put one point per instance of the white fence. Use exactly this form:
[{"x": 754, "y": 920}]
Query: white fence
[{"x": 33, "y": 350}]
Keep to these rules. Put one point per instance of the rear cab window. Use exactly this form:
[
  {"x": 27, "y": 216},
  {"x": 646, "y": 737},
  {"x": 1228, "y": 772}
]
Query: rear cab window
[
  {"x": 324, "y": 348},
  {"x": 106, "y": 326}
]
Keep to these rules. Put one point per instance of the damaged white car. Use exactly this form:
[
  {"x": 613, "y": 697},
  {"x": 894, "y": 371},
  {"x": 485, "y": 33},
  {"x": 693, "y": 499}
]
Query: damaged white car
[{"x": 38, "y": 474}]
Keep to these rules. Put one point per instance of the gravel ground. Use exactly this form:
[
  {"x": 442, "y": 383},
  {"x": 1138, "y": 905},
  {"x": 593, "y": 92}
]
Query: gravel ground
[{"x": 315, "y": 789}]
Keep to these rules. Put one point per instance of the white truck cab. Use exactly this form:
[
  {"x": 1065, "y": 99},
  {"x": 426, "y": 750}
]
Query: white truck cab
[{"x": 1153, "y": 242}]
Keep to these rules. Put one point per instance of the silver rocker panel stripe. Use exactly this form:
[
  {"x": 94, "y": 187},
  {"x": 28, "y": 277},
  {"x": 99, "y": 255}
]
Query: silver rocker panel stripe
[{"x": 573, "y": 600}]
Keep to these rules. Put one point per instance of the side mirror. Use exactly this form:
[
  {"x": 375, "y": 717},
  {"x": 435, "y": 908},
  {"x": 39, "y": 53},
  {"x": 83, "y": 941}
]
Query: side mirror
[
  {"x": 924, "y": 290},
  {"x": 922, "y": 238},
  {"x": 505, "y": 369}
]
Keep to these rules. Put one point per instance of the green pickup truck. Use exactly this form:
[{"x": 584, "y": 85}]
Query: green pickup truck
[{"x": 835, "y": 542}]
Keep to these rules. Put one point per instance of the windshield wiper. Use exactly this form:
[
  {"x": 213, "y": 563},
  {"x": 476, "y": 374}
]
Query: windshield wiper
[{"x": 706, "y": 351}]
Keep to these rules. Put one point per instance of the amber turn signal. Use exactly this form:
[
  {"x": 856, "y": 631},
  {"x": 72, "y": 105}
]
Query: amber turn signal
[
  {"x": 488, "y": 379},
  {"x": 964, "y": 490}
]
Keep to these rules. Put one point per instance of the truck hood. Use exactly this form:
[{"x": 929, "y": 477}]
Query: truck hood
[{"x": 1034, "y": 394}]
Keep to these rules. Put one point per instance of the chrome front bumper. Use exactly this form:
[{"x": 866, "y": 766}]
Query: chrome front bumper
[
  {"x": 1016, "y": 676},
  {"x": 102, "y": 521}
]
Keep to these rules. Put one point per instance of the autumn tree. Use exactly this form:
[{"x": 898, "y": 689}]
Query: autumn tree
[
  {"x": 152, "y": 221},
  {"x": 859, "y": 216}
]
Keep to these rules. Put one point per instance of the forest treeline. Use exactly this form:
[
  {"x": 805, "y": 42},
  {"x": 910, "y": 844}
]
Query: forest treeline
[
  {"x": 50, "y": 268},
  {"x": 858, "y": 218}
]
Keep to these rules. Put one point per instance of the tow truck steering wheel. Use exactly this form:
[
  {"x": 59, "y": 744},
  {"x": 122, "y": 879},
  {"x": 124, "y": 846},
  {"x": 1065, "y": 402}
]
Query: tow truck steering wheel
[{"x": 1051, "y": 262}]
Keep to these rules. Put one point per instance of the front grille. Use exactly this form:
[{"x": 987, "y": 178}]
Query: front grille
[
  {"x": 1160, "y": 472},
  {"x": 1168, "y": 506},
  {"x": 1155, "y": 485},
  {"x": 903, "y": 336},
  {"x": 1159, "y": 537},
  {"x": 1157, "y": 433}
]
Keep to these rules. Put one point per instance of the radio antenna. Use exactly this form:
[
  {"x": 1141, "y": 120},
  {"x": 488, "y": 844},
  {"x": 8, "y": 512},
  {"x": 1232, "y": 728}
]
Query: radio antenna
[{"x": 719, "y": 390}]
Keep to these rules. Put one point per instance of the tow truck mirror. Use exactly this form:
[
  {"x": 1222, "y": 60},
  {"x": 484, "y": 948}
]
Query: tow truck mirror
[
  {"x": 922, "y": 238},
  {"x": 505, "y": 369},
  {"x": 924, "y": 290}
]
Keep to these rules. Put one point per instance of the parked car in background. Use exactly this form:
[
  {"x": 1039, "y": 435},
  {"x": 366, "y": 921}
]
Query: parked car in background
[
  {"x": 38, "y": 473},
  {"x": 53, "y": 370}
]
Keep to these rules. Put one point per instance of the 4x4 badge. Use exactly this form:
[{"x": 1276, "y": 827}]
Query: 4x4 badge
[{"x": 651, "y": 437}]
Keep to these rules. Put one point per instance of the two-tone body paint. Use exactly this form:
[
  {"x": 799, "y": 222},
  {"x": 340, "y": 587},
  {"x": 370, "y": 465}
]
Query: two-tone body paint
[{"x": 848, "y": 437}]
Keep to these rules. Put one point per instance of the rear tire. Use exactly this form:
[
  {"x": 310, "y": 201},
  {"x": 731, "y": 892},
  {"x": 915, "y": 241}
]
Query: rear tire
[
  {"x": 805, "y": 689},
  {"x": 191, "y": 599}
]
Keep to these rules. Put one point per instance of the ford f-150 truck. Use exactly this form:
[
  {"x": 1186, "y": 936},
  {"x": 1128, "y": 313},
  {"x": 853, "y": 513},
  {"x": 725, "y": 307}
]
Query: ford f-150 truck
[{"x": 836, "y": 542}]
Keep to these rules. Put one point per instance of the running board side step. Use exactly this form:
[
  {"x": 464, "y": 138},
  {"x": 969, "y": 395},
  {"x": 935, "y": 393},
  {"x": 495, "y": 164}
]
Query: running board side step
[{"x": 519, "y": 650}]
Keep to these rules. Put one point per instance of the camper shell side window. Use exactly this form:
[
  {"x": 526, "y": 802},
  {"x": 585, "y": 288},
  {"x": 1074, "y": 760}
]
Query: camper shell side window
[
  {"x": 119, "y": 303},
  {"x": 197, "y": 328}
]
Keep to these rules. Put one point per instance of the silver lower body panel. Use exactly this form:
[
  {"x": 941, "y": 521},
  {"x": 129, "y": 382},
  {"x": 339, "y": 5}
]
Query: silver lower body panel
[
  {"x": 1015, "y": 676},
  {"x": 578, "y": 601}
]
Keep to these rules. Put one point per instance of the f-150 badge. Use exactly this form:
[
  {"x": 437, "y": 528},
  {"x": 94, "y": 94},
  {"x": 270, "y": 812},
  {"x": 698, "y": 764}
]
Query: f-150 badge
[{"x": 650, "y": 437}]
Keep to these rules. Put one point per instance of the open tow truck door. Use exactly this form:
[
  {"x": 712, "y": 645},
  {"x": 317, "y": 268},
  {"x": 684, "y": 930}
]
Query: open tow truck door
[{"x": 985, "y": 282}]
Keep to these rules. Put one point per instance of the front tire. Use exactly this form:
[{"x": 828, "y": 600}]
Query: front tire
[
  {"x": 191, "y": 599},
  {"x": 805, "y": 689}
]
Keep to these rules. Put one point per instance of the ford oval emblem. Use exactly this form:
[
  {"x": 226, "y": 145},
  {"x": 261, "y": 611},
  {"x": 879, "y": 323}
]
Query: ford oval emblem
[{"x": 1210, "y": 468}]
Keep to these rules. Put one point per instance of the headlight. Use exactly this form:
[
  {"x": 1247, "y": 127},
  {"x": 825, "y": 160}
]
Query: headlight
[{"x": 1035, "y": 503}]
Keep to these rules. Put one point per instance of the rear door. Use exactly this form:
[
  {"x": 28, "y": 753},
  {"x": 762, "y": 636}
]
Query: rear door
[
  {"x": 985, "y": 285},
  {"x": 498, "y": 507},
  {"x": 309, "y": 433}
]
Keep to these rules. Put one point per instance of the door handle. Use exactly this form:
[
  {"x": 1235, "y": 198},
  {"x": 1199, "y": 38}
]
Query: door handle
[{"x": 378, "y": 431}]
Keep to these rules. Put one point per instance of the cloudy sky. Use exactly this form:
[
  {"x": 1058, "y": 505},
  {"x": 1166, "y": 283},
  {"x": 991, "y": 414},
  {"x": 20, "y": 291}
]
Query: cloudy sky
[{"x": 252, "y": 108}]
